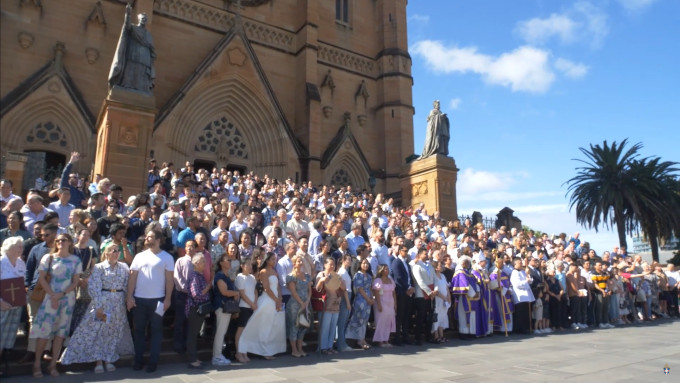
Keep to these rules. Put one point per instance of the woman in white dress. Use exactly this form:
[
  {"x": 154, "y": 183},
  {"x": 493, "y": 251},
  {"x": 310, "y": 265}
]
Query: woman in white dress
[
  {"x": 442, "y": 303},
  {"x": 265, "y": 332}
]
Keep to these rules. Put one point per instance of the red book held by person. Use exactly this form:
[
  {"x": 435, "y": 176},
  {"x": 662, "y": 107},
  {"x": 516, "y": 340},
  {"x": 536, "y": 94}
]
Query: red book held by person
[{"x": 12, "y": 291}]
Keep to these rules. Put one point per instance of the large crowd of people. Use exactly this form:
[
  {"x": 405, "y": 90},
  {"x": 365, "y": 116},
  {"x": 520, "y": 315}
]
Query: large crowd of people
[{"x": 272, "y": 260}]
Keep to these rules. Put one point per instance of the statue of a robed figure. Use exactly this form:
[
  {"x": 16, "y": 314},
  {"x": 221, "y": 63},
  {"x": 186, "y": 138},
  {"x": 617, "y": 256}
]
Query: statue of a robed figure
[
  {"x": 132, "y": 66},
  {"x": 437, "y": 136}
]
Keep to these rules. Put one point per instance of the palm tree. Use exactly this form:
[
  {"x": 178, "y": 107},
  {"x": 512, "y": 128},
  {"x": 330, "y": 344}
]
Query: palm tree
[
  {"x": 657, "y": 204},
  {"x": 603, "y": 188}
]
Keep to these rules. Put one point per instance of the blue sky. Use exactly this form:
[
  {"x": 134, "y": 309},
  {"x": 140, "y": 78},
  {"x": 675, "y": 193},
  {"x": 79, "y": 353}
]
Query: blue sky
[{"x": 526, "y": 83}]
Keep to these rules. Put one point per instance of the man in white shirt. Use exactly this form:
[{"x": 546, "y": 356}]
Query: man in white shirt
[
  {"x": 424, "y": 293},
  {"x": 522, "y": 298},
  {"x": 413, "y": 252},
  {"x": 284, "y": 267},
  {"x": 238, "y": 225},
  {"x": 222, "y": 226},
  {"x": 297, "y": 226},
  {"x": 34, "y": 211},
  {"x": 380, "y": 251},
  {"x": 437, "y": 233},
  {"x": 149, "y": 293},
  {"x": 7, "y": 198}
]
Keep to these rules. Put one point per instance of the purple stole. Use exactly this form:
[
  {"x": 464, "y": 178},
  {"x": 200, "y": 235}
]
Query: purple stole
[
  {"x": 484, "y": 319},
  {"x": 508, "y": 307},
  {"x": 460, "y": 285}
]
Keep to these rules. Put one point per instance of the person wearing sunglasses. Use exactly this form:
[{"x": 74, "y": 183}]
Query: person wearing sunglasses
[{"x": 53, "y": 319}]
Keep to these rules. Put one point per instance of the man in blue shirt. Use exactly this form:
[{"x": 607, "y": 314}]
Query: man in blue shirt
[
  {"x": 187, "y": 234},
  {"x": 70, "y": 180},
  {"x": 354, "y": 239}
]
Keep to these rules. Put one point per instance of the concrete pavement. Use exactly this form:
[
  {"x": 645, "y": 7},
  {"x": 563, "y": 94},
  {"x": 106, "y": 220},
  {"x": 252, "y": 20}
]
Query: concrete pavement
[{"x": 635, "y": 353}]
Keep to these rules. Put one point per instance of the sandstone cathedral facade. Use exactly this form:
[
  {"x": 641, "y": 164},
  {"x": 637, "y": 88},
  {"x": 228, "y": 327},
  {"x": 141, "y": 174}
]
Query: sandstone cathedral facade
[{"x": 316, "y": 90}]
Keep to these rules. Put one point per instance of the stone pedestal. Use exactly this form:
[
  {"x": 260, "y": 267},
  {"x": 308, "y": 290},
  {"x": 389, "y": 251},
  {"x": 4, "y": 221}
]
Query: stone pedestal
[
  {"x": 14, "y": 168},
  {"x": 431, "y": 181},
  {"x": 124, "y": 129}
]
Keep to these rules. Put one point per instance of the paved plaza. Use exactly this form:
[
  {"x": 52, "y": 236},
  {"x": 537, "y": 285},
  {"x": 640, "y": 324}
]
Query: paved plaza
[{"x": 635, "y": 353}]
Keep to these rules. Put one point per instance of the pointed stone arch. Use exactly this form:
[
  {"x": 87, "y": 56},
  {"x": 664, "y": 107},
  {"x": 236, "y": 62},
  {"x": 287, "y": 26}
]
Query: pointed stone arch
[
  {"x": 233, "y": 98},
  {"x": 356, "y": 172},
  {"x": 46, "y": 108},
  {"x": 49, "y": 97}
]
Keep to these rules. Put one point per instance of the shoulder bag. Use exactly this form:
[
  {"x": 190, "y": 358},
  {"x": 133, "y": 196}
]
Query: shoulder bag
[
  {"x": 38, "y": 294},
  {"x": 230, "y": 306},
  {"x": 83, "y": 293}
]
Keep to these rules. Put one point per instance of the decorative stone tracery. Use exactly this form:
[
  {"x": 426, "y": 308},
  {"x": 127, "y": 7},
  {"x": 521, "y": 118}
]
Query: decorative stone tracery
[
  {"x": 346, "y": 59},
  {"x": 341, "y": 178},
  {"x": 47, "y": 133},
  {"x": 222, "y": 136}
]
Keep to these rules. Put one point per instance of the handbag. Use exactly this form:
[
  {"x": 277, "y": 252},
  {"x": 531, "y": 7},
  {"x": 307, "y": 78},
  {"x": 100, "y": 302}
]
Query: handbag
[
  {"x": 303, "y": 318},
  {"x": 205, "y": 308},
  {"x": 230, "y": 306},
  {"x": 318, "y": 299},
  {"x": 87, "y": 272},
  {"x": 38, "y": 293}
]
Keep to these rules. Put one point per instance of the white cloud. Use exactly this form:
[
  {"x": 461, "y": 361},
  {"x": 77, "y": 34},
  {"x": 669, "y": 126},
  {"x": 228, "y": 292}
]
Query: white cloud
[
  {"x": 634, "y": 5},
  {"x": 425, "y": 19},
  {"x": 524, "y": 69},
  {"x": 455, "y": 103},
  {"x": 595, "y": 21},
  {"x": 539, "y": 31},
  {"x": 473, "y": 182},
  {"x": 570, "y": 68},
  {"x": 582, "y": 22},
  {"x": 505, "y": 196}
]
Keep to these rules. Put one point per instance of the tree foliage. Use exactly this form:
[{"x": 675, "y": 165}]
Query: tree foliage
[{"x": 615, "y": 187}]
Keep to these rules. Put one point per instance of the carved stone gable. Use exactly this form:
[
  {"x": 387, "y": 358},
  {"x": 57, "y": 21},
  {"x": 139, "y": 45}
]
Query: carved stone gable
[{"x": 96, "y": 16}]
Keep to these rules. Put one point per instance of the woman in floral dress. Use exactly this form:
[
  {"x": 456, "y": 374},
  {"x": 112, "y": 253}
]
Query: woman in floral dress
[
  {"x": 362, "y": 305},
  {"x": 300, "y": 285},
  {"x": 104, "y": 333},
  {"x": 54, "y": 315}
]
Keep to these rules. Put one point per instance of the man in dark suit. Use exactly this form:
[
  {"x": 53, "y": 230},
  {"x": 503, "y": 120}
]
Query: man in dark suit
[
  {"x": 535, "y": 274},
  {"x": 401, "y": 274},
  {"x": 535, "y": 277}
]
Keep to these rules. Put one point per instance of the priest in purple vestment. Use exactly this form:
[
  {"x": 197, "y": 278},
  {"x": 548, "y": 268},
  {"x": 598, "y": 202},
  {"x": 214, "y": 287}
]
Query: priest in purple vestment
[
  {"x": 465, "y": 289},
  {"x": 501, "y": 303},
  {"x": 484, "y": 320}
]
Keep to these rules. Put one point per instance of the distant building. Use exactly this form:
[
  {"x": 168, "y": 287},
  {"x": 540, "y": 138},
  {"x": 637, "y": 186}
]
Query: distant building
[{"x": 642, "y": 247}]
